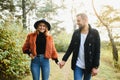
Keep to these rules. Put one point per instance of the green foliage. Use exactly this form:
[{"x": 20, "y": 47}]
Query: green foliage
[
  {"x": 8, "y": 5},
  {"x": 13, "y": 63},
  {"x": 109, "y": 15},
  {"x": 56, "y": 29},
  {"x": 62, "y": 41},
  {"x": 48, "y": 9},
  {"x": 106, "y": 45}
]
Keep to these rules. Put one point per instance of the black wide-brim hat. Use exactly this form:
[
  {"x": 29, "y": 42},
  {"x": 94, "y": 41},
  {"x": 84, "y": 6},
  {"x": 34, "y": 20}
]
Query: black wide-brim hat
[{"x": 42, "y": 21}]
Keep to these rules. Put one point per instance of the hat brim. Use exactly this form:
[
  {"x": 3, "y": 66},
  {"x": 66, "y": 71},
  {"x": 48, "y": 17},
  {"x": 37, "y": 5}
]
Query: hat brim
[{"x": 42, "y": 21}]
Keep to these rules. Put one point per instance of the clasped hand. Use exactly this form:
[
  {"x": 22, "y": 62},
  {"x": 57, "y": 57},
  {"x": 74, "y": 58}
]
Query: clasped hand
[{"x": 61, "y": 64}]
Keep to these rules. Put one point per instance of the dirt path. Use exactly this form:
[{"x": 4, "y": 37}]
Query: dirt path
[{"x": 106, "y": 71}]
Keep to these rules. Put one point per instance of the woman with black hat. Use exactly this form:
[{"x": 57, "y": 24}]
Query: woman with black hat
[{"x": 39, "y": 45}]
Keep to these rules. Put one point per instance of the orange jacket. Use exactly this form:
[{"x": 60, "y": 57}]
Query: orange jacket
[{"x": 30, "y": 44}]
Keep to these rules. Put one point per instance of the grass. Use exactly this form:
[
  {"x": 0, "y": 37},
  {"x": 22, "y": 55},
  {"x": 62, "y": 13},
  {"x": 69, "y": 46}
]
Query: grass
[{"x": 106, "y": 69}]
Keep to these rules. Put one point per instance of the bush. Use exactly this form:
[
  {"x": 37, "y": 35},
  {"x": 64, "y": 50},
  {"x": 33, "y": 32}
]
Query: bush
[
  {"x": 106, "y": 45},
  {"x": 62, "y": 41},
  {"x": 13, "y": 63}
]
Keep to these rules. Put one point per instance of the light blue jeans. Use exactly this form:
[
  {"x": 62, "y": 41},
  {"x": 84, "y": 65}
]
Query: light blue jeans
[
  {"x": 40, "y": 63},
  {"x": 81, "y": 74}
]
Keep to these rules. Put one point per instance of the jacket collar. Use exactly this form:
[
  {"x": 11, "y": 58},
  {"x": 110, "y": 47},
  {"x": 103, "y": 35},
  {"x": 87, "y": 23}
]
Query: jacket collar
[
  {"x": 89, "y": 28},
  {"x": 88, "y": 36}
]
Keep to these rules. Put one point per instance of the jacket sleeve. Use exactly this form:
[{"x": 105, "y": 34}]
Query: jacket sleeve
[
  {"x": 26, "y": 46},
  {"x": 96, "y": 58},
  {"x": 70, "y": 49}
]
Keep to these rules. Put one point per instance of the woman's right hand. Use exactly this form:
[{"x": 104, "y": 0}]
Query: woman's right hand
[{"x": 32, "y": 57}]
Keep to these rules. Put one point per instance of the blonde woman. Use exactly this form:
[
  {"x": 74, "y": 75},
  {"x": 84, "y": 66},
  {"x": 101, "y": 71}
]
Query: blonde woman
[{"x": 39, "y": 45}]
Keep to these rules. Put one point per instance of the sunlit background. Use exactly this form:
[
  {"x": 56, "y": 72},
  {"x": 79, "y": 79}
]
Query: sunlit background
[
  {"x": 72, "y": 7},
  {"x": 17, "y": 18}
]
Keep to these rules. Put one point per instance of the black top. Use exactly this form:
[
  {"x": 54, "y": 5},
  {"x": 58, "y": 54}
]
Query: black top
[{"x": 40, "y": 43}]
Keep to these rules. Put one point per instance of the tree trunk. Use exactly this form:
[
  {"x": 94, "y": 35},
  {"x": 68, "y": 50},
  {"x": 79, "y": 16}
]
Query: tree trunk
[
  {"x": 24, "y": 14},
  {"x": 12, "y": 7},
  {"x": 114, "y": 49},
  {"x": 73, "y": 12}
]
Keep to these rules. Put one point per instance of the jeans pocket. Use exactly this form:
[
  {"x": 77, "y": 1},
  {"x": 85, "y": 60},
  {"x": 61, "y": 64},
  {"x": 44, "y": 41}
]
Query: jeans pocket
[{"x": 34, "y": 60}]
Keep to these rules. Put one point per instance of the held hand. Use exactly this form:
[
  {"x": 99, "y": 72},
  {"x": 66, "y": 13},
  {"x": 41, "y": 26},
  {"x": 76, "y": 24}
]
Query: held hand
[
  {"x": 32, "y": 57},
  {"x": 94, "y": 72},
  {"x": 62, "y": 63},
  {"x": 58, "y": 63}
]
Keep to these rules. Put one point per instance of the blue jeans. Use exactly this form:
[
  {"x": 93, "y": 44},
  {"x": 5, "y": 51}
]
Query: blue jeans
[
  {"x": 81, "y": 74},
  {"x": 40, "y": 63}
]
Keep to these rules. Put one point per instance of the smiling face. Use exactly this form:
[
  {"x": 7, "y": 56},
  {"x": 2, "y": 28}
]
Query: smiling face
[
  {"x": 41, "y": 27},
  {"x": 82, "y": 20}
]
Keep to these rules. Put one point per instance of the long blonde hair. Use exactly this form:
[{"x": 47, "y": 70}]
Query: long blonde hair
[{"x": 46, "y": 32}]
